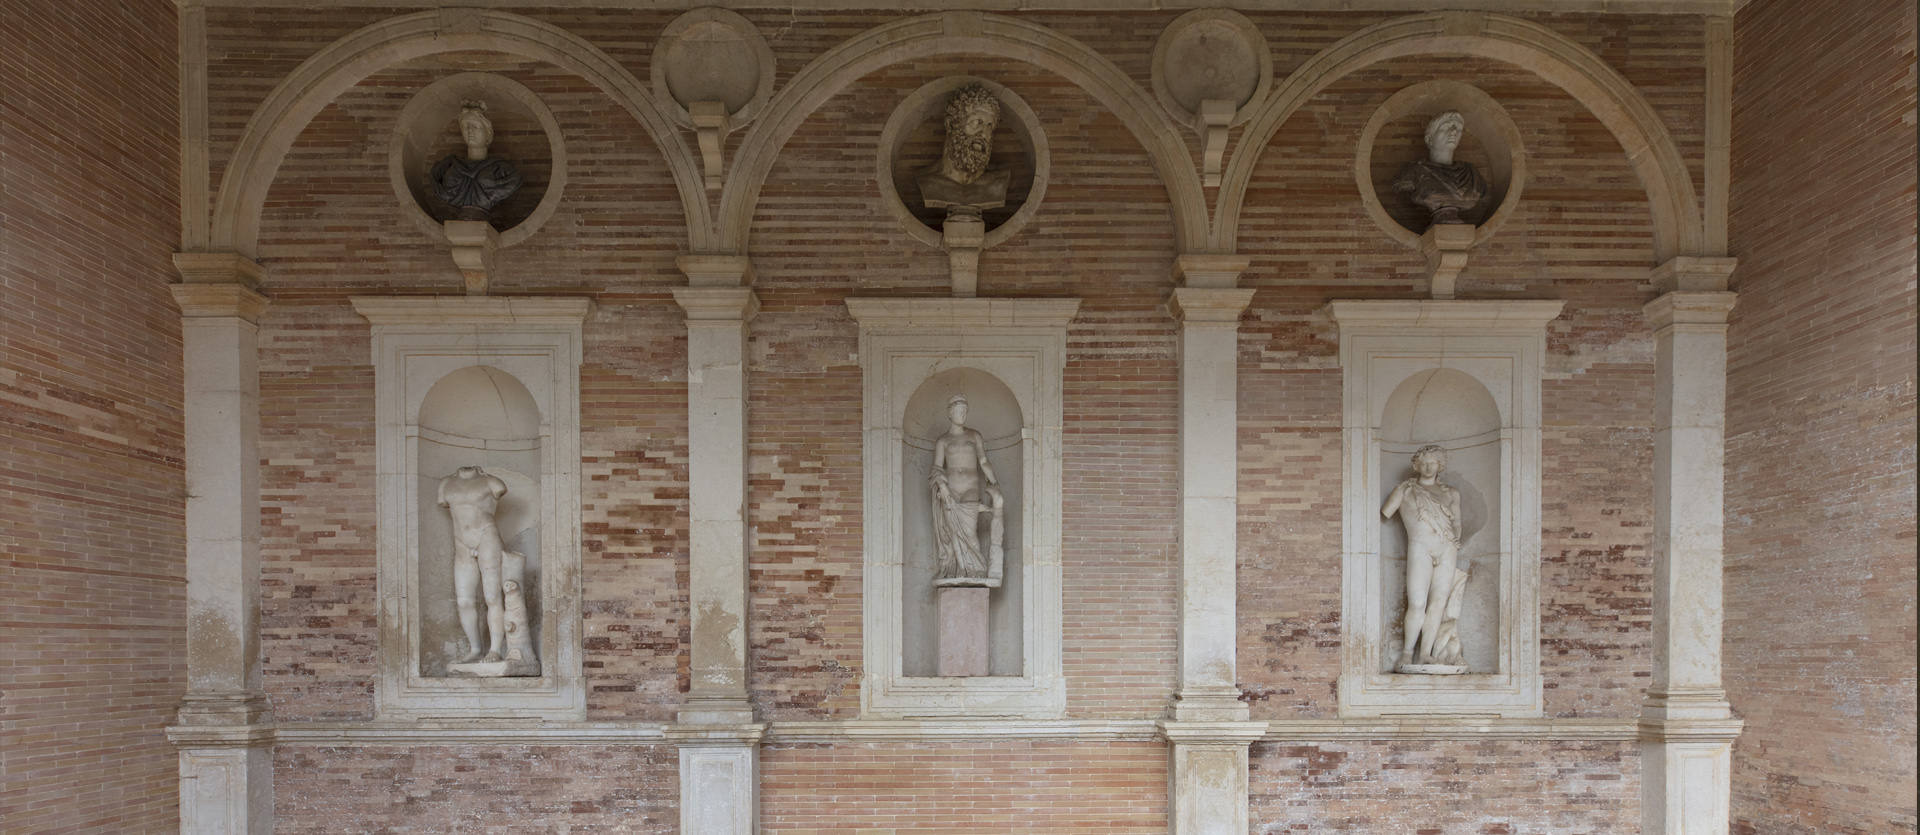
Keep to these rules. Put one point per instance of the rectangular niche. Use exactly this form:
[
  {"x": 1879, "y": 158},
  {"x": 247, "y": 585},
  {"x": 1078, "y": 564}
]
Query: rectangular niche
[
  {"x": 1463, "y": 376},
  {"x": 492, "y": 383},
  {"x": 1005, "y": 356}
]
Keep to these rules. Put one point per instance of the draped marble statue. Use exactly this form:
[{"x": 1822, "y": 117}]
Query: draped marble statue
[
  {"x": 485, "y": 571},
  {"x": 1436, "y": 583},
  {"x": 964, "y": 487},
  {"x": 1446, "y": 188},
  {"x": 476, "y": 184}
]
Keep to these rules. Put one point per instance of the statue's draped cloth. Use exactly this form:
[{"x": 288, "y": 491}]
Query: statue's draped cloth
[{"x": 956, "y": 533}]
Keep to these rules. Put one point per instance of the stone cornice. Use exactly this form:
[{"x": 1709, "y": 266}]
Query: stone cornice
[
  {"x": 916, "y": 313},
  {"x": 471, "y": 311},
  {"x": 1455, "y": 315},
  {"x": 1209, "y": 270},
  {"x": 1663, "y": 7},
  {"x": 1690, "y": 310},
  {"x": 218, "y": 268},
  {"x": 1693, "y": 273}
]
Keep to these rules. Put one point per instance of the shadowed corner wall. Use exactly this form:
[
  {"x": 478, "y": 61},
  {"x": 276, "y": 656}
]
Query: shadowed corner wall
[
  {"x": 92, "y": 486},
  {"x": 1820, "y": 418}
]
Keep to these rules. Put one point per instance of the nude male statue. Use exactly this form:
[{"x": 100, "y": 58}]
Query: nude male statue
[
  {"x": 1435, "y": 585},
  {"x": 964, "y": 487},
  {"x": 483, "y": 566}
]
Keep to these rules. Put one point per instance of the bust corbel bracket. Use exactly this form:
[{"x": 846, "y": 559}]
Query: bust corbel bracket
[
  {"x": 1216, "y": 116},
  {"x": 1445, "y": 247},
  {"x": 473, "y": 242},
  {"x": 711, "y": 123}
]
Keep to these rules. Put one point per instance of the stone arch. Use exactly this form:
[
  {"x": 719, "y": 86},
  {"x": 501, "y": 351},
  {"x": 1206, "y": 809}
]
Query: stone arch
[
  {"x": 1634, "y": 123},
  {"x": 319, "y": 80},
  {"x": 961, "y": 32}
]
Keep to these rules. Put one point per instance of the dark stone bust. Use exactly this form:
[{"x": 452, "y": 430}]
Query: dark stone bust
[
  {"x": 475, "y": 184},
  {"x": 1446, "y": 188}
]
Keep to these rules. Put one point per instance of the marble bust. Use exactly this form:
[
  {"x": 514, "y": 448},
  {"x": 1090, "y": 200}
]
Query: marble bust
[
  {"x": 484, "y": 571},
  {"x": 964, "y": 487},
  {"x": 1446, "y": 188},
  {"x": 1436, "y": 584},
  {"x": 964, "y": 181},
  {"x": 477, "y": 183}
]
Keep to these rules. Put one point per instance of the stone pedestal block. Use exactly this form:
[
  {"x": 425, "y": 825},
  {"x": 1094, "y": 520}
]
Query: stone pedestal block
[{"x": 963, "y": 631}]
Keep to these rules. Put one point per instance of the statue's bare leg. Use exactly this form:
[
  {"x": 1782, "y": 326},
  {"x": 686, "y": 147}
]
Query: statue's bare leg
[
  {"x": 998, "y": 534},
  {"x": 1435, "y": 611},
  {"x": 466, "y": 593},
  {"x": 1419, "y": 579},
  {"x": 496, "y": 601}
]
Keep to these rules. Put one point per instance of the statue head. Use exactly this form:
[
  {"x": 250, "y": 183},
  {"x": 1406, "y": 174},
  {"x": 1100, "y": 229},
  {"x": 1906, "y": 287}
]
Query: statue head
[
  {"x": 1443, "y": 136},
  {"x": 957, "y": 409},
  {"x": 971, "y": 117},
  {"x": 1431, "y": 456},
  {"x": 475, "y": 128}
]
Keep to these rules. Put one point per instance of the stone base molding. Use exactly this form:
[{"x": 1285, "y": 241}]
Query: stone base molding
[
  {"x": 719, "y": 777},
  {"x": 1207, "y": 794}
]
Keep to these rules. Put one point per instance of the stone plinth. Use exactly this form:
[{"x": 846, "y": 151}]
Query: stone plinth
[{"x": 963, "y": 631}]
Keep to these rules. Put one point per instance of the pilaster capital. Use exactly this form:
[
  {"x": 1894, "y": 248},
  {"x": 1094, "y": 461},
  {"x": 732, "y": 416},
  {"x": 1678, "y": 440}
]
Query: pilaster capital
[
  {"x": 707, "y": 303},
  {"x": 1693, "y": 273},
  {"x": 225, "y": 710},
  {"x": 218, "y": 268},
  {"x": 1194, "y": 305},
  {"x": 221, "y": 736},
  {"x": 716, "y": 270},
  {"x": 1684, "y": 308},
  {"x": 1690, "y": 730},
  {"x": 228, "y": 300},
  {"x": 1211, "y": 733},
  {"x": 1214, "y": 270}
]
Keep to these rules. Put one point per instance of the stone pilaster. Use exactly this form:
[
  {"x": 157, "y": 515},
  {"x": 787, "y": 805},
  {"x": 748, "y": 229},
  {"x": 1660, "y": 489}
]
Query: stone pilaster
[
  {"x": 1686, "y": 726},
  {"x": 226, "y": 758},
  {"x": 1207, "y": 791},
  {"x": 1209, "y": 308},
  {"x": 717, "y": 738}
]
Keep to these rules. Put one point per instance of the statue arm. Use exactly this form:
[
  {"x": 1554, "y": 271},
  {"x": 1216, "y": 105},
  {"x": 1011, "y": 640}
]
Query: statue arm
[
  {"x": 986, "y": 467},
  {"x": 1453, "y": 512},
  {"x": 1393, "y": 500},
  {"x": 498, "y": 487}
]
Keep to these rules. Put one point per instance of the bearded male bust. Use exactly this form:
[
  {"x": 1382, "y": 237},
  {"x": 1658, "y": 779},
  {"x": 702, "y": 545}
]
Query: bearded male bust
[{"x": 964, "y": 181}]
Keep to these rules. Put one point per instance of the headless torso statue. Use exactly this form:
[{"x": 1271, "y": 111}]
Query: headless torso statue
[
  {"x": 484, "y": 569},
  {"x": 1436, "y": 583},
  {"x": 474, "y": 185},
  {"x": 964, "y": 487},
  {"x": 1446, "y": 188}
]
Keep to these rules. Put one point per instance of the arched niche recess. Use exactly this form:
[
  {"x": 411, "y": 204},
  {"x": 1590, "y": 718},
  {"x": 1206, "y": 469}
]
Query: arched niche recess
[
  {"x": 1465, "y": 376},
  {"x": 477, "y": 416},
  {"x": 1450, "y": 409},
  {"x": 525, "y": 133},
  {"x": 494, "y": 383},
  {"x": 994, "y": 412},
  {"x": 1007, "y": 356},
  {"x": 912, "y": 139},
  {"x": 1396, "y": 135}
]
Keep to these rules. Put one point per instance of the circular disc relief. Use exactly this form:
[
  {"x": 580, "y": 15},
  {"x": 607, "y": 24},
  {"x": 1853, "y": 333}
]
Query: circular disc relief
[
  {"x": 712, "y": 54},
  {"x": 524, "y": 133},
  {"x": 913, "y": 139},
  {"x": 1396, "y": 136},
  {"x": 1215, "y": 54}
]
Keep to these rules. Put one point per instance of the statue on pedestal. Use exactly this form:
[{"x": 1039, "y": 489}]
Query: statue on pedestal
[
  {"x": 483, "y": 567},
  {"x": 1436, "y": 584},
  {"x": 476, "y": 184},
  {"x": 963, "y": 182},
  {"x": 964, "y": 487},
  {"x": 1446, "y": 188}
]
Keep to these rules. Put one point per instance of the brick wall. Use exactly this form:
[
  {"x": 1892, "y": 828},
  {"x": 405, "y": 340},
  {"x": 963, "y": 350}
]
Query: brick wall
[
  {"x": 92, "y": 490},
  {"x": 966, "y": 788},
  {"x": 1820, "y": 419},
  {"x": 331, "y": 230}
]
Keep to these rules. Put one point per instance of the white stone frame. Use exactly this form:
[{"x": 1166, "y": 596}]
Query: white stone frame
[
  {"x": 416, "y": 342},
  {"x": 903, "y": 342},
  {"x": 1502, "y": 344}
]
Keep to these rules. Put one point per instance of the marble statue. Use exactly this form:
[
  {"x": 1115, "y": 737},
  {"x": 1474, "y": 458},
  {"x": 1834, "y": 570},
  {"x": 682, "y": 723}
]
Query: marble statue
[
  {"x": 964, "y": 487},
  {"x": 476, "y": 184},
  {"x": 964, "y": 181},
  {"x": 483, "y": 567},
  {"x": 1445, "y": 187},
  {"x": 1436, "y": 583}
]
